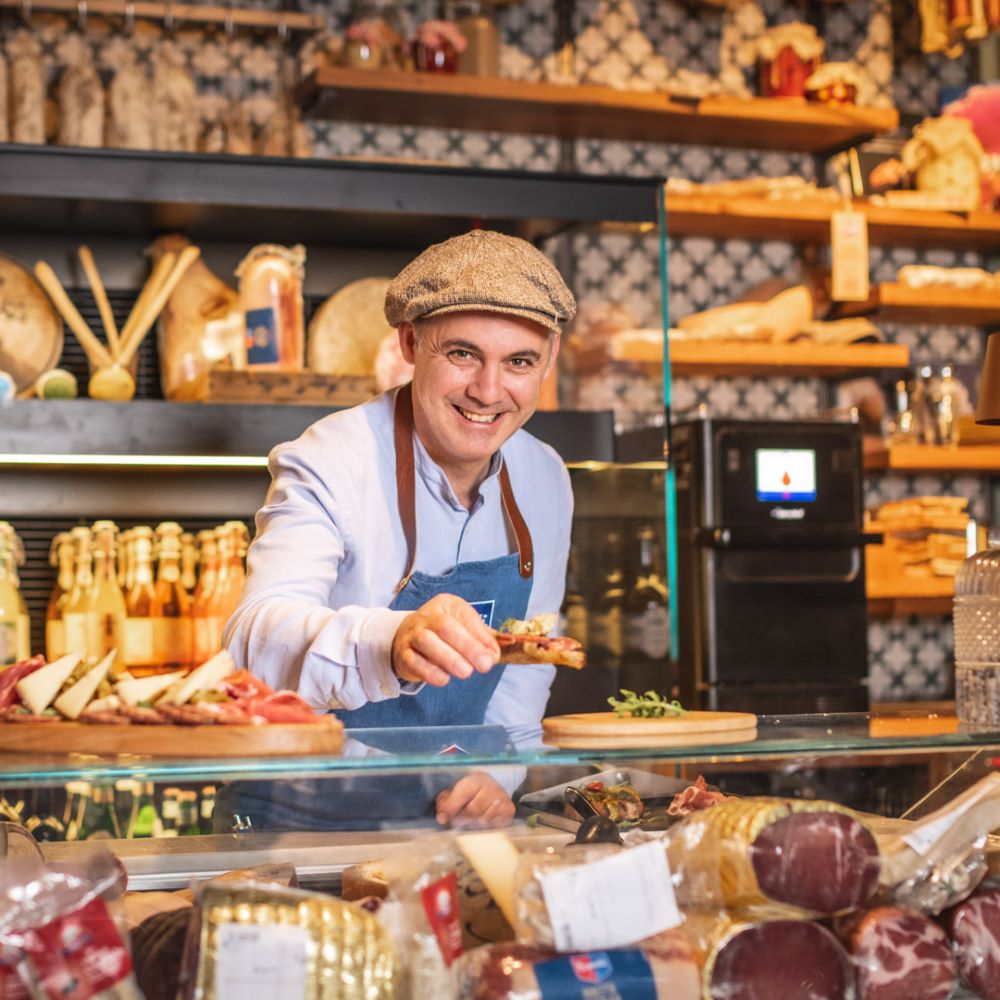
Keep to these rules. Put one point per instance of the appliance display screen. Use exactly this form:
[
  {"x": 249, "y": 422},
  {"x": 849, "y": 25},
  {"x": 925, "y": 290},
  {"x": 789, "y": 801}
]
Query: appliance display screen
[{"x": 786, "y": 475}]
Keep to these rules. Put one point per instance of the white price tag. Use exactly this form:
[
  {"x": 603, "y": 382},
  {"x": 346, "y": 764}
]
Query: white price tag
[
  {"x": 923, "y": 839},
  {"x": 266, "y": 963},
  {"x": 612, "y": 902}
]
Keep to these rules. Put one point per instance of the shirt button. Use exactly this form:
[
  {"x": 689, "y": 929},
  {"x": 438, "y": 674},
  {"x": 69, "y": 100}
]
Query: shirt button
[{"x": 386, "y": 690}]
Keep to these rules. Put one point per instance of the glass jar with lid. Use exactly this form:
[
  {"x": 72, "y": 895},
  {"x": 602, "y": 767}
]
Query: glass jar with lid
[
  {"x": 977, "y": 637},
  {"x": 376, "y": 35},
  {"x": 475, "y": 20}
]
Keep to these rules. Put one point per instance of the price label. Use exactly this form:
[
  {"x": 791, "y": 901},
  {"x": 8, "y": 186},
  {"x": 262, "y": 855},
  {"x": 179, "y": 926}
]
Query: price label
[{"x": 266, "y": 963}]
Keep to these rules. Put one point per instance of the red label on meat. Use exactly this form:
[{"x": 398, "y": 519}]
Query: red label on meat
[{"x": 975, "y": 929}]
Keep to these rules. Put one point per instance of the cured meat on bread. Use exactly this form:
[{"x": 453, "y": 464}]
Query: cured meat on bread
[{"x": 530, "y": 642}]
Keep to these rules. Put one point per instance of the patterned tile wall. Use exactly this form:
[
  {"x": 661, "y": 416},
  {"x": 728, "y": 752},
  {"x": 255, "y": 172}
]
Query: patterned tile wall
[{"x": 638, "y": 43}]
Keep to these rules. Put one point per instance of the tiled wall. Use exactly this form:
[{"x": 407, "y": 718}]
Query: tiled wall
[{"x": 644, "y": 41}]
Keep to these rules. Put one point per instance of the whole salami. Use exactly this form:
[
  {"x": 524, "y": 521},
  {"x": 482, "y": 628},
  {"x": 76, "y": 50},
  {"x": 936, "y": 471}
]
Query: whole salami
[
  {"x": 900, "y": 955},
  {"x": 975, "y": 931},
  {"x": 663, "y": 968}
]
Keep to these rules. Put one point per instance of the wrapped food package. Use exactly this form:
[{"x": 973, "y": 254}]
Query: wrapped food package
[
  {"x": 899, "y": 954},
  {"x": 27, "y": 92},
  {"x": 661, "y": 968},
  {"x": 974, "y": 926},
  {"x": 773, "y": 960},
  {"x": 59, "y": 931},
  {"x": 247, "y": 936},
  {"x": 175, "y": 111},
  {"x": 796, "y": 857},
  {"x": 81, "y": 101},
  {"x": 200, "y": 326},
  {"x": 130, "y": 108}
]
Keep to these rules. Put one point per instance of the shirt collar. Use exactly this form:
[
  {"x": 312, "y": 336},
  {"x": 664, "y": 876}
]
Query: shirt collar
[{"x": 437, "y": 482}]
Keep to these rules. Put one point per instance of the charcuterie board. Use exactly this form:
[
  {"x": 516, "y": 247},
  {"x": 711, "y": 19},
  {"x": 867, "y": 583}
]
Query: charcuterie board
[
  {"x": 608, "y": 731},
  {"x": 270, "y": 740}
]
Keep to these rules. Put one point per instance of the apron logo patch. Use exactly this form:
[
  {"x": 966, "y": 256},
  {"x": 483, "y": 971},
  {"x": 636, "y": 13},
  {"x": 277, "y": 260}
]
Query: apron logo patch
[{"x": 485, "y": 611}]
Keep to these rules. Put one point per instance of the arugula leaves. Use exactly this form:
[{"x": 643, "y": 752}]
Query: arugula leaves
[{"x": 646, "y": 706}]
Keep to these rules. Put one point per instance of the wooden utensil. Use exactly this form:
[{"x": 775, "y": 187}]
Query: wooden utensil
[
  {"x": 94, "y": 349},
  {"x": 154, "y": 282},
  {"x": 101, "y": 297}
]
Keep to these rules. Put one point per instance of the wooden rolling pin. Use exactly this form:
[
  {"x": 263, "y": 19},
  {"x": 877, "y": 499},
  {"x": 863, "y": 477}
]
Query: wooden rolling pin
[{"x": 94, "y": 349}]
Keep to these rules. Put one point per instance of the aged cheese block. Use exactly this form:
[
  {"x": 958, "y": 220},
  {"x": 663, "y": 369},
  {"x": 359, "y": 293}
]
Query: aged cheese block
[
  {"x": 31, "y": 332},
  {"x": 345, "y": 333}
]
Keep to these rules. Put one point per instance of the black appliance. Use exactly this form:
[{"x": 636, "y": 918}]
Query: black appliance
[{"x": 771, "y": 601}]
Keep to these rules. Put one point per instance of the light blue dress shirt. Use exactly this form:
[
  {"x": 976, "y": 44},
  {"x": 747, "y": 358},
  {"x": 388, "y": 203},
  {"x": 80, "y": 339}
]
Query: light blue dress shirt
[{"x": 329, "y": 552}]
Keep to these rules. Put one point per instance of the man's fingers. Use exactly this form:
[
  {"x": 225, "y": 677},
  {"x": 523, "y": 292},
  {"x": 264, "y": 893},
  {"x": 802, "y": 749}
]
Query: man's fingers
[
  {"x": 412, "y": 666},
  {"x": 432, "y": 647},
  {"x": 479, "y": 655},
  {"x": 471, "y": 619},
  {"x": 453, "y": 800}
]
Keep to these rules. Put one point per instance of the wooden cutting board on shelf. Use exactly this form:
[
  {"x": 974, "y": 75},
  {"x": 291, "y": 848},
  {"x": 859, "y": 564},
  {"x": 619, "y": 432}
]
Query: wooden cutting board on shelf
[
  {"x": 271, "y": 740},
  {"x": 305, "y": 388},
  {"x": 607, "y": 731}
]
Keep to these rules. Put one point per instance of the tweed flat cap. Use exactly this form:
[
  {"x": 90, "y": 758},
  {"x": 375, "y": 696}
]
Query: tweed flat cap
[{"x": 481, "y": 270}]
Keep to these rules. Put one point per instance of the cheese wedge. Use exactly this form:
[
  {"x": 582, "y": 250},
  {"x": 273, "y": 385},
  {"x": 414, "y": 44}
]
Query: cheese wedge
[
  {"x": 39, "y": 689},
  {"x": 494, "y": 858},
  {"x": 106, "y": 704},
  {"x": 73, "y": 701},
  {"x": 147, "y": 689},
  {"x": 204, "y": 678}
]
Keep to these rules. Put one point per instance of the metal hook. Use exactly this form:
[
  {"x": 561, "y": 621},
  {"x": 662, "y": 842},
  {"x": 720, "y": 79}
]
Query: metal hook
[
  {"x": 26, "y": 11},
  {"x": 283, "y": 30},
  {"x": 230, "y": 25},
  {"x": 129, "y": 16},
  {"x": 168, "y": 17},
  {"x": 81, "y": 15}
]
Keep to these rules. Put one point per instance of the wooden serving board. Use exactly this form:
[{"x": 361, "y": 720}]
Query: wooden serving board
[
  {"x": 305, "y": 388},
  {"x": 605, "y": 730},
  {"x": 271, "y": 740}
]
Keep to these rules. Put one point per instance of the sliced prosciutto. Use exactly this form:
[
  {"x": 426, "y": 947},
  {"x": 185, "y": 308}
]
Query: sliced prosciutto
[
  {"x": 14, "y": 673},
  {"x": 282, "y": 706},
  {"x": 694, "y": 797},
  {"x": 899, "y": 955}
]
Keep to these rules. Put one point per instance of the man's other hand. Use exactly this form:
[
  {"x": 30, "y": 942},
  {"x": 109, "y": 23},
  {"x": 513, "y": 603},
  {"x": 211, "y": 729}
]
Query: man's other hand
[
  {"x": 444, "y": 638},
  {"x": 476, "y": 802}
]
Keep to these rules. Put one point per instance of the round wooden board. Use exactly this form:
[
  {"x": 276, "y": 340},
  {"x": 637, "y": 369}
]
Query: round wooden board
[
  {"x": 651, "y": 742},
  {"x": 271, "y": 740},
  {"x": 31, "y": 331},
  {"x": 609, "y": 724}
]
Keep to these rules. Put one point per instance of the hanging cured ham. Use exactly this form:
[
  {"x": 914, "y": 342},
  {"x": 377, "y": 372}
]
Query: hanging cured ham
[
  {"x": 175, "y": 114},
  {"x": 81, "y": 101},
  {"x": 27, "y": 93},
  {"x": 130, "y": 109}
]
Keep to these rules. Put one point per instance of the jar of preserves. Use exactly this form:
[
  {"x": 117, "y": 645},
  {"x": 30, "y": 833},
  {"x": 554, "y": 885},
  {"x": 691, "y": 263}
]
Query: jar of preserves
[{"x": 437, "y": 47}]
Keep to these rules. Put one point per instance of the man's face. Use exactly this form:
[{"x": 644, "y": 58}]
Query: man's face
[{"x": 476, "y": 380}]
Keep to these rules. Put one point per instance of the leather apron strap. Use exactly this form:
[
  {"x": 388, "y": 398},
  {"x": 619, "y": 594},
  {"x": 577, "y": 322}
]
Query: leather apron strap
[{"x": 406, "y": 493}]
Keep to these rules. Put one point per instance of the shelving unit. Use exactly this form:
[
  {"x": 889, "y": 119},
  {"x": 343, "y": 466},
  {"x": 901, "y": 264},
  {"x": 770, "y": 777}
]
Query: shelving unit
[
  {"x": 821, "y": 360},
  {"x": 808, "y": 221},
  {"x": 569, "y": 112},
  {"x": 935, "y": 458},
  {"x": 904, "y": 597},
  {"x": 902, "y": 304}
]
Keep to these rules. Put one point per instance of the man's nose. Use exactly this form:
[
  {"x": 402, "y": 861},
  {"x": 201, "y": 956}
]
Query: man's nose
[{"x": 486, "y": 387}]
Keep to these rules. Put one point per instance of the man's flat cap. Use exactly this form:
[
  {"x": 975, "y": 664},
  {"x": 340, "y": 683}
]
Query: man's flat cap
[{"x": 481, "y": 270}]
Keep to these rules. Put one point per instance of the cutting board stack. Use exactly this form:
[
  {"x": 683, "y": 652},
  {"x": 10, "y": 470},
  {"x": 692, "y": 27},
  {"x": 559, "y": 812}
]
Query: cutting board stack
[{"x": 924, "y": 540}]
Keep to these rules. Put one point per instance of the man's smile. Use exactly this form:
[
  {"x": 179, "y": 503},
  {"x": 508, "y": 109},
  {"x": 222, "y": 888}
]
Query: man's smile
[{"x": 478, "y": 418}]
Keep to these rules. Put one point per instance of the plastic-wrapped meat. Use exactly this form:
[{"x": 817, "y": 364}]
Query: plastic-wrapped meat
[
  {"x": 975, "y": 932},
  {"x": 81, "y": 103},
  {"x": 663, "y": 968},
  {"x": 175, "y": 114},
  {"x": 130, "y": 109},
  {"x": 776, "y": 960},
  {"x": 27, "y": 93},
  {"x": 899, "y": 954},
  {"x": 810, "y": 858}
]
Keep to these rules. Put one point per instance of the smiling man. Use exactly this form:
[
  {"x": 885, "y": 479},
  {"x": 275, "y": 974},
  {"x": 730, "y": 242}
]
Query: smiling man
[{"x": 397, "y": 534}]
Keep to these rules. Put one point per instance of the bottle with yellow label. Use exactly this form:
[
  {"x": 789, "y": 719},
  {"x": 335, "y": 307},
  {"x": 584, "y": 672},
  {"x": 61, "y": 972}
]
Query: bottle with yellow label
[
  {"x": 232, "y": 540},
  {"x": 107, "y": 603},
  {"x": 61, "y": 556},
  {"x": 206, "y": 633},
  {"x": 189, "y": 562},
  {"x": 172, "y": 606},
  {"x": 77, "y": 616},
  {"x": 140, "y": 649}
]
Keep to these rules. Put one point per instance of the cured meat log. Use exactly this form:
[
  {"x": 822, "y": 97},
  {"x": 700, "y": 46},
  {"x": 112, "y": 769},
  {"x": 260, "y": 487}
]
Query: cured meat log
[
  {"x": 130, "y": 109},
  {"x": 81, "y": 102},
  {"x": 899, "y": 955},
  {"x": 175, "y": 112},
  {"x": 27, "y": 93},
  {"x": 664, "y": 968},
  {"x": 812, "y": 858},
  {"x": 975, "y": 931}
]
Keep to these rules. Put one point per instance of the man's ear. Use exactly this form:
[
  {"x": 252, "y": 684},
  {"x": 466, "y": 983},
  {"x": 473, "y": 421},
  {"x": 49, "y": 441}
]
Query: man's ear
[{"x": 407, "y": 333}]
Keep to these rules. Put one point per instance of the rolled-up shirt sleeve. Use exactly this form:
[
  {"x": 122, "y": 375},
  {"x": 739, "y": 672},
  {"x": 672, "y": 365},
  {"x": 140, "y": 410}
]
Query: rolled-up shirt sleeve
[{"x": 284, "y": 629}]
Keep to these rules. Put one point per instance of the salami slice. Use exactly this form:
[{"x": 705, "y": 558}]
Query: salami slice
[
  {"x": 777, "y": 960},
  {"x": 975, "y": 931},
  {"x": 899, "y": 954}
]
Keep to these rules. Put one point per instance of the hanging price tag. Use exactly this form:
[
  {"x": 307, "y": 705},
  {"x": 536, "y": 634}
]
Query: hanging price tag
[{"x": 849, "y": 244}]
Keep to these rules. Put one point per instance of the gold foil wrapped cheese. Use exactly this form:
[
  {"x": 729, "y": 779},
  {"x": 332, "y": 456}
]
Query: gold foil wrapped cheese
[{"x": 253, "y": 939}]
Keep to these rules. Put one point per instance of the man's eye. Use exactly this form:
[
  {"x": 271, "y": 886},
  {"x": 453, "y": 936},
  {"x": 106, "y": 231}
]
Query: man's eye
[
  {"x": 459, "y": 355},
  {"x": 521, "y": 362}
]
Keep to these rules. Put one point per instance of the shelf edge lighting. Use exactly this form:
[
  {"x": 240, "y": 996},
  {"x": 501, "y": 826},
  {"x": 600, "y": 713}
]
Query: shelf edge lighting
[{"x": 141, "y": 461}]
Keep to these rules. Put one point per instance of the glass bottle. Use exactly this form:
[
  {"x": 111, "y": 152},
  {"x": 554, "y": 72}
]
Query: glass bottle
[
  {"x": 107, "y": 603},
  {"x": 171, "y": 606},
  {"x": 60, "y": 555},
  {"x": 124, "y": 555},
  {"x": 232, "y": 540},
  {"x": 271, "y": 302},
  {"x": 100, "y": 821},
  {"x": 206, "y": 634},
  {"x": 15, "y": 558},
  {"x": 189, "y": 562},
  {"x": 170, "y": 812},
  {"x": 206, "y": 810},
  {"x": 646, "y": 619},
  {"x": 144, "y": 821},
  {"x": 947, "y": 402},
  {"x": 140, "y": 649},
  {"x": 606, "y": 637},
  {"x": 475, "y": 19},
  {"x": 12, "y": 614},
  {"x": 188, "y": 819},
  {"x": 76, "y": 619},
  {"x": 976, "y": 623},
  {"x": 41, "y": 823},
  {"x": 76, "y": 792}
]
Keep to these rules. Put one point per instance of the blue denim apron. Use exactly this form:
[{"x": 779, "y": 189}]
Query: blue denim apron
[{"x": 497, "y": 588}]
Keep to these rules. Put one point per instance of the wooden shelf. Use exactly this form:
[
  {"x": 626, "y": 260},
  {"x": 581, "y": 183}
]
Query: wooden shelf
[
  {"x": 935, "y": 458},
  {"x": 467, "y": 102},
  {"x": 901, "y": 303},
  {"x": 808, "y": 221},
  {"x": 902, "y": 597},
  {"x": 784, "y": 359}
]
